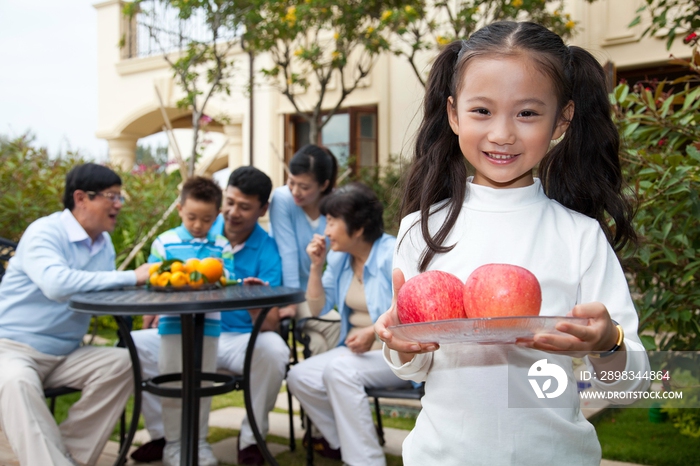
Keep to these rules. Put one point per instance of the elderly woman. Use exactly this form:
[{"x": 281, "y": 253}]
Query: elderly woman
[{"x": 357, "y": 279}]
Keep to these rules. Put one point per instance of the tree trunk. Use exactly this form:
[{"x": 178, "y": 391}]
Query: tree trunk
[
  {"x": 195, "y": 138},
  {"x": 314, "y": 131}
]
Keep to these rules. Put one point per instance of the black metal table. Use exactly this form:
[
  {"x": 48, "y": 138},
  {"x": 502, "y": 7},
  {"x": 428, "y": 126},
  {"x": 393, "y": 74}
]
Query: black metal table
[{"x": 191, "y": 306}]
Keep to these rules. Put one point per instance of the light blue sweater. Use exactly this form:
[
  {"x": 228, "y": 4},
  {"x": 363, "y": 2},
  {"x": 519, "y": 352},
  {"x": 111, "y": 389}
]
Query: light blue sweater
[
  {"x": 376, "y": 277},
  {"x": 48, "y": 267},
  {"x": 178, "y": 243},
  {"x": 292, "y": 232}
]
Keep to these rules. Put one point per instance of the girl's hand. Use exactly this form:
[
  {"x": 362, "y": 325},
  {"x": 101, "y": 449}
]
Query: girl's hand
[
  {"x": 361, "y": 342},
  {"x": 599, "y": 335},
  {"x": 317, "y": 250},
  {"x": 405, "y": 348}
]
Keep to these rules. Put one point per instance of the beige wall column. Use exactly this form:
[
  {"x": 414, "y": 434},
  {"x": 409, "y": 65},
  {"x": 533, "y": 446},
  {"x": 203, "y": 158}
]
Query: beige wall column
[
  {"x": 234, "y": 133},
  {"x": 122, "y": 152}
]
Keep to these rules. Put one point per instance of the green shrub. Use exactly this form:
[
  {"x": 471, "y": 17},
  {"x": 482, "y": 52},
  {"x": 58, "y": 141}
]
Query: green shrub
[
  {"x": 661, "y": 132},
  {"x": 31, "y": 184},
  {"x": 385, "y": 181}
]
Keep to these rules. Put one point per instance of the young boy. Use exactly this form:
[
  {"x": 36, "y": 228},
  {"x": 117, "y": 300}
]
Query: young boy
[{"x": 200, "y": 203}]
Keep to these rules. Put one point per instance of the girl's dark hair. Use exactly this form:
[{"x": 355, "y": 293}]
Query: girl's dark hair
[
  {"x": 318, "y": 161},
  {"x": 88, "y": 177},
  {"x": 582, "y": 172},
  {"x": 359, "y": 207},
  {"x": 201, "y": 189}
]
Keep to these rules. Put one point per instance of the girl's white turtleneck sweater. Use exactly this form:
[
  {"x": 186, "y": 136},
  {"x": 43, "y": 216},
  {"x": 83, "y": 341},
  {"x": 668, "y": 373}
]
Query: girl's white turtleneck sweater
[{"x": 470, "y": 390}]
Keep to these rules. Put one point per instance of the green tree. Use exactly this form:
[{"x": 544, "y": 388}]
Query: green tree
[
  {"x": 674, "y": 16},
  {"x": 425, "y": 26},
  {"x": 312, "y": 42},
  {"x": 149, "y": 156},
  {"x": 195, "y": 38}
]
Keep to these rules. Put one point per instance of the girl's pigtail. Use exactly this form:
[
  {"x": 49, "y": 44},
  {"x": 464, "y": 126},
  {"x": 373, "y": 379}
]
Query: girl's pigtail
[
  {"x": 438, "y": 171},
  {"x": 583, "y": 171}
]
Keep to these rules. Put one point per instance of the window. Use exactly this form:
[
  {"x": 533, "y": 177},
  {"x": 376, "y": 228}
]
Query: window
[{"x": 351, "y": 134}]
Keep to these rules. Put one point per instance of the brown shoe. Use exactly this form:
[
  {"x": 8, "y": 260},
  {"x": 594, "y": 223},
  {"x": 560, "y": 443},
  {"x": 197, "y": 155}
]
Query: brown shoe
[
  {"x": 250, "y": 455},
  {"x": 151, "y": 451},
  {"x": 322, "y": 447}
]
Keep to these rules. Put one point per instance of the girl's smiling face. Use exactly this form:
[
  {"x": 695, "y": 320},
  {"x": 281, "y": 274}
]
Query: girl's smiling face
[{"x": 505, "y": 115}]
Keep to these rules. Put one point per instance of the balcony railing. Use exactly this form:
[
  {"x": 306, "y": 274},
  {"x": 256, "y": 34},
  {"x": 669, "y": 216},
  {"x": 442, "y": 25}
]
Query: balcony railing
[{"x": 158, "y": 30}]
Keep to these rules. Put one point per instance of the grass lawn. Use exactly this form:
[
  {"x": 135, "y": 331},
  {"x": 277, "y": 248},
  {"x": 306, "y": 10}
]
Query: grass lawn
[
  {"x": 289, "y": 458},
  {"x": 626, "y": 434},
  {"x": 234, "y": 398}
]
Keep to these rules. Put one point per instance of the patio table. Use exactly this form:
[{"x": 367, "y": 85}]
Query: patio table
[{"x": 191, "y": 307}]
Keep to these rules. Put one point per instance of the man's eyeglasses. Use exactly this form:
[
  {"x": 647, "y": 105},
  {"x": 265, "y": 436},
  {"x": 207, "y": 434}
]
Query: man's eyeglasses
[{"x": 114, "y": 197}]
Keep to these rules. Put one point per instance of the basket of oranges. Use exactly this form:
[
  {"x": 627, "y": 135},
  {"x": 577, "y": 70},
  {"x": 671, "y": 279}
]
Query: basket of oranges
[{"x": 192, "y": 274}]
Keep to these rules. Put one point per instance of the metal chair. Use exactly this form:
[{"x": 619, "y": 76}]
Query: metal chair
[
  {"x": 407, "y": 393},
  {"x": 286, "y": 331},
  {"x": 52, "y": 393},
  {"x": 7, "y": 250}
]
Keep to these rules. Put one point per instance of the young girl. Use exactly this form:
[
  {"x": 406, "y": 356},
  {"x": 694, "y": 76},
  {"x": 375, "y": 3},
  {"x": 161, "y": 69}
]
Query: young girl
[
  {"x": 500, "y": 99},
  {"x": 294, "y": 219}
]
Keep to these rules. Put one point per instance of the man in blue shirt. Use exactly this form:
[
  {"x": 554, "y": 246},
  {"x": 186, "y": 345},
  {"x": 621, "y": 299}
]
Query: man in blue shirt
[
  {"x": 64, "y": 253},
  {"x": 255, "y": 255}
]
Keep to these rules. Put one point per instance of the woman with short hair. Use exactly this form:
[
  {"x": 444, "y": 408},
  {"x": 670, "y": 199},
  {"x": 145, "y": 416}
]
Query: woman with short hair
[{"x": 357, "y": 279}]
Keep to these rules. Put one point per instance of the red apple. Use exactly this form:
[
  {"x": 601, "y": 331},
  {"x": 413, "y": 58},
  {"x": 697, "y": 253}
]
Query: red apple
[
  {"x": 431, "y": 295},
  {"x": 502, "y": 290}
]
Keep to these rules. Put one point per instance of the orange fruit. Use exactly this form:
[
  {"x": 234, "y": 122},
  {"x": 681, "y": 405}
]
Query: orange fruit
[
  {"x": 177, "y": 267},
  {"x": 178, "y": 279},
  {"x": 196, "y": 279},
  {"x": 163, "y": 279},
  {"x": 154, "y": 268},
  {"x": 154, "y": 279},
  {"x": 211, "y": 268},
  {"x": 191, "y": 265}
]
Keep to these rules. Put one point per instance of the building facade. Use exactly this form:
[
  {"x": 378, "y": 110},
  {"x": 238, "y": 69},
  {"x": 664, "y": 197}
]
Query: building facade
[{"x": 138, "y": 94}]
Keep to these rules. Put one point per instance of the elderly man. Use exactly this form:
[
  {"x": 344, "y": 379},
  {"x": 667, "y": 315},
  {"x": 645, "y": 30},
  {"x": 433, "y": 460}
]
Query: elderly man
[
  {"x": 64, "y": 253},
  {"x": 255, "y": 255}
]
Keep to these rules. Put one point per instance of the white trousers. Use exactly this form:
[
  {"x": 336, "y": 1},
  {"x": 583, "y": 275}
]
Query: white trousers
[
  {"x": 330, "y": 388},
  {"x": 267, "y": 373},
  {"x": 104, "y": 376}
]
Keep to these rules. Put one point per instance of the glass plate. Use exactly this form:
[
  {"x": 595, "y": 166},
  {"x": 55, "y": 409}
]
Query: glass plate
[{"x": 489, "y": 330}]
